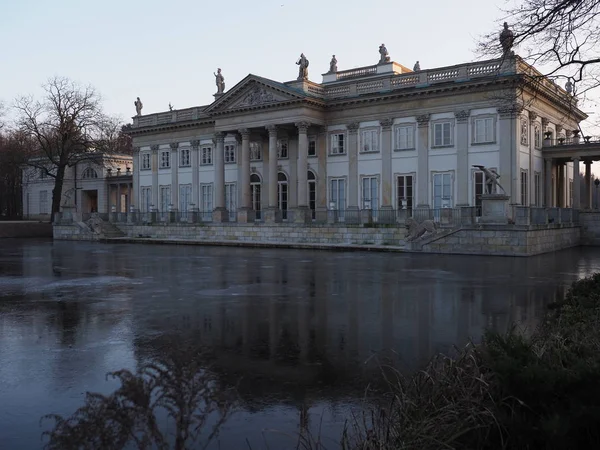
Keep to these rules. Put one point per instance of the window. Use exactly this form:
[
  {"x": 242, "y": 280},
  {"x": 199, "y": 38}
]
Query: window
[
  {"x": 442, "y": 134},
  {"x": 405, "y": 137},
  {"x": 370, "y": 193},
  {"x": 338, "y": 144},
  {"x": 89, "y": 173},
  {"x": 537, "y": 136},
  {"x": 570, "y": 191},
  {"x": 483, "y": 130},
  {"x": 312, "y": 193},
  {"x": 255, "y": 194},
  {"x": 479, "y": 187},
  {"x": 255, "y": 151},
  {"x": 524, "y": 186},
  {"x": 165, "y": 159},
  {"x": 337, "y": 193},
  {"x": 185, "y": 197},
  {"x": 230, "y": 198},
  {"x": 369, "y": 140},
  {"x": 43, "y": 174},
  {"x": 405, "y": 198},
  {"x": 524, "y": 132},
  {"x": 442, "y": 190},
  {"x": 146, "y": 199},
  {"x": 282, "y": 194},
  {"x": 537, "y": 188},
  {"x": 312, "y": 146},
  {"x": 229, "y": 153},
  {"x": 165, "y": 198},
  {"x": 282, "y": 148},
  {"x": 206, "y": 198},
  {"x": 206, "y": 156},
  {"x": 145, "y": 161},
  {"x": 184, "y": 157},
  {"x": 44, "y": 202}
]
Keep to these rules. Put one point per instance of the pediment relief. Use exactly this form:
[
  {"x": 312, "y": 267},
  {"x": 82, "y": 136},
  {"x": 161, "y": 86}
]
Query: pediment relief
[{"x": 258, "y": 95}]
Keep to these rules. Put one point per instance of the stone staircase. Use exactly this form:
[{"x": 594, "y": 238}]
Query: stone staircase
[{"x": 105, "y": 230}]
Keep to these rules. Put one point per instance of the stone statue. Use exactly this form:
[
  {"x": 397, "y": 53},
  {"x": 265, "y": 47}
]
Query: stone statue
[
  {"x": 491, "y": 180},
  {"x": 170, "y": 107},
  {"x": 220, "y": 81},
  {"x": 569, "y": 87},
  {"x": 417, "y": 67},
  {"x": 68, "y": 201},
  {"x": 138, "y": 106},
  {"x": 416, "y": 230},
  {"x": 507, "y": 39},
  {"x": 333, "y": 65},
  {"x": 385, "y": 56},
  {"x": 303, "y": 69}
]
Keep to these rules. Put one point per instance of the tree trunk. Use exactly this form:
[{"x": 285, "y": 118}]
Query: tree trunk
[{"x": 57, "y": 191}]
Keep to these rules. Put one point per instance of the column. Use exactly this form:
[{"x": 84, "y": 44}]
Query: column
[
  {"x": 548, "y": 183},
  {"x": 587, "y": 200},
  {"x": 155, "y": 199},
  {"x": 531, "y": 178},
  {"x": 507, "y": 138},
  {"x": 195, "y": 174},
  {"x": 576, "y": 185},
  {"x": 352, "y": 166},
  {"x": 560, "y": 185},
  {"x": 386, "y": 167},
  {"x": 219, "y": 213},
  {"x": 136, "y": 178},
  {"x": 462, "y": 157},
  {"x": 322, "y": 174},
  {"x": 271, "y": 214},
  {"x": 302, "y": 214},
  {"x": 423, "y": 161},
  {"x": 174, "y": 173},
  {"x": 245, "y": 212}
]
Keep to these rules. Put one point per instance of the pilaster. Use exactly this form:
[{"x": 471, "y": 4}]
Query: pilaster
[
  {"x": 423, "y": 161},
  {"x": 195, "y": 173},
  {"x": 174, "y": 160},
  {"x": 322, "y": 170},
  {"x": 509, "y": 161},
  {"x": 155, "y": 198},
  {"x": 220, "y": 212},
  {"x": 353, "y": 165},
  {"x": 245, "y": 212},
  {"x": 136, "y": 179},
  {"x": 462, "y": 157},
  {"x": 531, "y": 178},
  {"x": 548, "y": 182},
  {"x": 386, "y": 163},
  {"x": 271, "y": 214}
]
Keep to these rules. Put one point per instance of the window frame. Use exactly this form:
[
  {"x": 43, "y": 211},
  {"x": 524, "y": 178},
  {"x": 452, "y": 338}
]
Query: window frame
[
  {"x": 280, "y": 144},
  {"x": 474, "y": 128},
  {"x": 331, "y": 147},
  {"x": 255, "y": 151},
  {"x": 312, "y": 140},
  {"x": 209, "y": 152},
  {"x": 230, "y": 153},
  {"x": 397, "y": 141},
  {"x": 145, "y": 157},
  {"x": 162, "y": 164},
  {"x": 185, "y": 151},
  {"x": 442, "y": 122},
  {"x": 537, "y": 188},
  {"x": 89, "y": 171},
  {"x": 377, "y": 179},
  {"x": 524, "y": 187},
  {"x": 413, "y": 198},
  {"x": 373, "y": 132}
]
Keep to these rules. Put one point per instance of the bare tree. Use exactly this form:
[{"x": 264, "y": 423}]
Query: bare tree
[
  {"x": 11, "y": 161},
  {"x": 64, "y": 128}
]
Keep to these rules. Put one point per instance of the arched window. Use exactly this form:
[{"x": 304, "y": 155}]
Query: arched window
[
  {"x": 312, "y": 192},
  {"x": 255, "y": 183},
  {"x": 282, "y": 194},
  {"x": 89, "y": 173}
]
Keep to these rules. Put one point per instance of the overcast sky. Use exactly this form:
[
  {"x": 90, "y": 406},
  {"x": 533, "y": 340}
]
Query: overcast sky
[{"x": 167, "y": 51}]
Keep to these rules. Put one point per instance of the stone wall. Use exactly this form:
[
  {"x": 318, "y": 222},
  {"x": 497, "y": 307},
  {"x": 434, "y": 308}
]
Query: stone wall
[
  {"x": 75, "y": 231},
  {"x": 590, "y": 227},
  {"x": 18, "y": 229},
  {"x": 501, "y": 240}
]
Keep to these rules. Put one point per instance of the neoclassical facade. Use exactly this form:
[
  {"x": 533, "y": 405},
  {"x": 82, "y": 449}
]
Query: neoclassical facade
[{"x": 379, "y": 137}]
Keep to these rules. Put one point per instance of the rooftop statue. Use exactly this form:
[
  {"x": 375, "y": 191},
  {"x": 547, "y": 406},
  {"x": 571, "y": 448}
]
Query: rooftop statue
[
  {"x": 333, "y": 65},
  {"x": 384, "y": 55},
  {"x": 303, "y": 69},
  {"x": 417, "y": 67},
  {"x": 138, "y": 106},
  {"x": 507, "y": 39},
  {"x": 219, "y": 81}
]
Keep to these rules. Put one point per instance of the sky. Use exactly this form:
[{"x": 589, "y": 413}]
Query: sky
[{"x": 166, "y": 51}]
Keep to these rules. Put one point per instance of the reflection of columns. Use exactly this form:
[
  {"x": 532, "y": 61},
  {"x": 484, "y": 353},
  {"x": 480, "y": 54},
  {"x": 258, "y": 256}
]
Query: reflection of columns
[
  {"x": 155, "y": 176},
  {"x": 576, "y": 185},
  {"x": 245, "y": 176},
  {"x": 272, "y": 129},
  {"x": 195, "y": 173},
  {"x": 386, "y": 163},
  {"x": 352, "y": 165},
  {"x": 588, "y": 186},
  {"x": 220, "y": 213},
  {"x": 462, "y": 157},
  {"x": 136, "y": 178},
  {"x": 548, "y": 182},
  {"x": 423, "y": 161},
  {"x": 174, "y": 182}
]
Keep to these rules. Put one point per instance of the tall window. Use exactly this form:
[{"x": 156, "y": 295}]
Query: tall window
[
  {"x": 165, "y": 198},
  {"x": 370, "y": 193},
  {"x": 255, "y": 194},
  {"x": 405, "y": 137},
  {"x": 145, "y": 161},
  {"x": 537, "y": 136},
  {"x": 89, "y": 173},
  {"x": 229, "y": 153},
  {"x": 255, "y": 151},
  {"x": 282, "y": 148},
  {"x": 312, "y": 146},
  {"x": 43, "y": 174},
  {"x": 185, "y": 197},
  {"x": 524, "y": 188},
  {"x": 537, "y": 188},
  {"x": 337, "y": 193},
  {"x": 442, "y": 134},
  {"x": 483, "y": 130},
  {"x": 570, "y": 192},
  {"x": 338, "y": 144},
  {"x": 146, "y": 198},
  {"x": 184, "y": 157},
  {"x": 231, "y": 198},
  {"x": 165, "y": 159},
  {"x": 206, "y": 199},
  {"x": 282, "y": 194},
  {"x": 479, "y": 181},
  {"x": 405, "y": 198},
  {"x": 44, "y": 202},
  {"x": 312, "y": 192},
  {"x": 369, "y": 140},
  {"x": 442, "y": 190},
  {"x": 206, "y": 158}
]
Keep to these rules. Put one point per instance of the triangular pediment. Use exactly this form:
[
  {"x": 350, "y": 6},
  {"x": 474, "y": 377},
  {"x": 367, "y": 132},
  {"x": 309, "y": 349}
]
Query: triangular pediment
[{"x": 254, "y": 92}]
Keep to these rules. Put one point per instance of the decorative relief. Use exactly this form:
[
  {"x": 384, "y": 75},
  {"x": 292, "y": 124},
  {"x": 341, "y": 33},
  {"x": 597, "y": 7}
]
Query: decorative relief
[
  {"x": 174, "y": 145},
  {"x": 219, "y": 136},
  {"x": 257, "y": 96},
  {"x": 423, "y": 120},
  {"x": 524, "y": 132},
  {"x": 353, "y": 127},
  {"x": 272, "y": 129},
  {"x": 154, "y": 148},
  {"x": 303, "y": 127},
  {"x": 545, "y": 122},
  {"x": 386, "y": 123},
  {"x": 195, "y": 143},
  {"x": 244, "y": 132},
  {"x": 532, "y": 116},
  {"x": 462, "y": 116},
  {"x": 559, "y": 129}
]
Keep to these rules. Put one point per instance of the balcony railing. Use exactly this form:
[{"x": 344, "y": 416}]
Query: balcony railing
[{"x": 573, "y": 140}]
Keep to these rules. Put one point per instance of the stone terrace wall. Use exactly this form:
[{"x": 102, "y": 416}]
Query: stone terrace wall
[
  {"x": 74, "y": 232},
  {"x": 590, "y": 227},
  {"x": 24, "y": 229}
]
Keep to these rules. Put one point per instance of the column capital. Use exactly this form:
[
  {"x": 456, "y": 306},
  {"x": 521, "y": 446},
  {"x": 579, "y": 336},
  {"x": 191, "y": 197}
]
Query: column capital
[
  {"x": 353, "y": 127},
  {"x": 545, "y": 122},
  {"x": 576, "y": 159},
  {"x": 244, "y": 132},
  {"x": 423, "y": 120},
  {"x": 303, "y": 126},
  {"x": 462, "y": 116},
  {"x": 386, "y": 123},
  {"x": 195, "y": 143},
  {"x": 154, "y": 148},
  {"x": 219, "y": 136},
  {"x": 174, "y": 145},
  {"x": 532, "y": 116},
  {"x": 559, "y": 128},
  {"x": 272, "y": 129}
]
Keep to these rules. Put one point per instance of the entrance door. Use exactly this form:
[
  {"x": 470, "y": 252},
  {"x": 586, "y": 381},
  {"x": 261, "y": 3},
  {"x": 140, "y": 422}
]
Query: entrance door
[
  {"x": 282, "y": 194},
  {"x": 442, "y": 190},
  {"x": 91, "y": 201}
]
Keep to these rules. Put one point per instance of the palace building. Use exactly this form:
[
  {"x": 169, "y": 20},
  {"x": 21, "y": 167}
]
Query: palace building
[{"x": 380, "y": 137}]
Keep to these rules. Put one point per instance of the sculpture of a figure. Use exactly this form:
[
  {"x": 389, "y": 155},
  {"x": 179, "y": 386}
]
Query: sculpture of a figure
[
  {"x": 385, "y": 56},
  {"x": 170, "y": 107},
  {"x": 220, "y": 81},
  {"x": 138, "y": 106},
  {"x": 417, "y": 67},
  {"x": 333, "y": 65},
  {"x": 507, "y": 39},
  {"x": 491, "y": 180},
  {"x": 68, "y": 198},
  {"x": 303, "y": 69},
  {"x": 569, "y": 87}
]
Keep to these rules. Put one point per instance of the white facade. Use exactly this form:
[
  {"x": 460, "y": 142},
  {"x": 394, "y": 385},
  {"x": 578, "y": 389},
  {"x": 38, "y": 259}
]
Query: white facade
[{"x": 380, "y": 137}]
